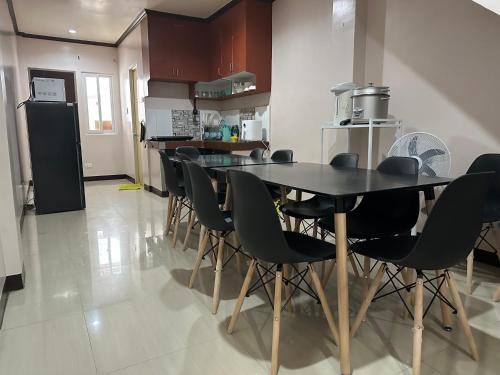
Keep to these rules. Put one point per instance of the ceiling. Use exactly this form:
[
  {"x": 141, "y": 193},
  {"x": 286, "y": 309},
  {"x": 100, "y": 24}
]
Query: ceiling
[
  {"x": 493, "y": 5},
  {"x": 98, "y": 20}
]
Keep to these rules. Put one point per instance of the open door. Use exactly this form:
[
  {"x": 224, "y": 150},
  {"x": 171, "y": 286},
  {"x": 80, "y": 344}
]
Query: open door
[{"x": 136, "y": 126}]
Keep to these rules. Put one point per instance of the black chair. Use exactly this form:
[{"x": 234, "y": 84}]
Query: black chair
[
  {"x": 283, "y": 156},
  {"x": 215, "y": 222},
  {"x": 176, "y": 196},
  {"x": 189, "y": 196},
  {"x": 383, "y": 214},
  {"x": 448, "y": 235},
  {"x": 257, "y": 153},
  {"x": 260, "y": 233},
  {"x": 491, "y": 212},
  {"x": 191, "y": 152},
  {"x": 318, "y": 206}
]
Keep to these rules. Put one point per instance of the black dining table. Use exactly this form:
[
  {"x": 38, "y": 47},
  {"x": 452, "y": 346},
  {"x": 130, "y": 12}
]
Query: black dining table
[
  {"x": 340, "y": 185},
  {"x": 213, "y": 161}
]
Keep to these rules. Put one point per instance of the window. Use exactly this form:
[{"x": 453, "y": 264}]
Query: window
[{"x": 98, "y": 94}]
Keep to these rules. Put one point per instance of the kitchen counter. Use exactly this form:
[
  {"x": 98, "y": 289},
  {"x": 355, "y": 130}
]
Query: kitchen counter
[
  {"x": 154, "y": 180},
  {"x": 210, "y": 145}
]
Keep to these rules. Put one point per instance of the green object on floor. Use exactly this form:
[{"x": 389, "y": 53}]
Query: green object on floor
[{"x": 130, "y": 187}]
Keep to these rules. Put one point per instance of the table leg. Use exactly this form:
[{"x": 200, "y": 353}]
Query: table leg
[
  {"x": 343, "y": 292},
  {"x": 227, "y": 202}
]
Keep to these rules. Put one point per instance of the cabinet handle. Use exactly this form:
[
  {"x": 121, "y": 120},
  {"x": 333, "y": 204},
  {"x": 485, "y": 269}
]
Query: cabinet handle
[
  {"x": 173, "y": 72},
  {"x": 218, "y": 71},
  {"x": 177, "y": 72}
]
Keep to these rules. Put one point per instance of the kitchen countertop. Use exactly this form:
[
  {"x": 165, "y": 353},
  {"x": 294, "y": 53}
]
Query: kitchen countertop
[{"x": 211, "y": 145}]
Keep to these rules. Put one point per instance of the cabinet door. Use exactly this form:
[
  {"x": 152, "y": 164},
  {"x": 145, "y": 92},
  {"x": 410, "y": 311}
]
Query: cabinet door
[
  {"x": 191, "y": 56},
  {"x": 226, "y": 29},
  {"x": 238, "y": 38},
  {"x": 215, "y": 49},
  {"x": 162, "y": 44}
]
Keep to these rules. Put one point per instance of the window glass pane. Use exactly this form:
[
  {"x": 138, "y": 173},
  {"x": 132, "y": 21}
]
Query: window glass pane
[
  {"x": 106, "y": 110},
  {"x": 92, "y": 103}
]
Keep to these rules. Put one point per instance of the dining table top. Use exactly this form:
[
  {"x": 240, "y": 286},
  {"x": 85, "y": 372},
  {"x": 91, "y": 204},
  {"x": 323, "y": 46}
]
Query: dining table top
[
  {"x": 228, "y": 160},
  {"x": 337, "y": 182}
]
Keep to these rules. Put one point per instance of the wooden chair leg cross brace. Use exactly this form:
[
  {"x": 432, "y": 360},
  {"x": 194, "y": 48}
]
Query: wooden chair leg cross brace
[
  {"x": 422, "y": 282},
  {"x": 277, "y": 304}
]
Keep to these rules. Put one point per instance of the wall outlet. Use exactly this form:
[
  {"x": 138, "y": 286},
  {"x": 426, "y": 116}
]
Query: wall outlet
[{"x": 88, "y": 165}]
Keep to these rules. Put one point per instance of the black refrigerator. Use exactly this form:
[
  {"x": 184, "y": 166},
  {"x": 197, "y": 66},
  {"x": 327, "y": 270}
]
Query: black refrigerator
[{"x": 56, "y": 157}]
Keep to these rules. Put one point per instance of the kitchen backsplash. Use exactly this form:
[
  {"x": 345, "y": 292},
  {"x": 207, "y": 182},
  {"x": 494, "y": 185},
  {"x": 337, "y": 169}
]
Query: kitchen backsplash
[{"x": 185, "y": 123}]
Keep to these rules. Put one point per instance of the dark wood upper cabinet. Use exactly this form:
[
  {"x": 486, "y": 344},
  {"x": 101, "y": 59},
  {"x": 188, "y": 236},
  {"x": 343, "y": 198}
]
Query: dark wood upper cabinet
[{"x": 238, "y": 39}]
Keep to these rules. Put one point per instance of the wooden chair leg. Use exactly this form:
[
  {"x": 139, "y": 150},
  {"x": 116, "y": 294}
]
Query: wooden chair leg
[
  {"x": 177, "y": 221},
  {"x": 218, "y": 275},
  {"x": 297, "y": 225},
  {"x": 169, "y": 212},
  {"x": 236, "y": 240},
  {"x": 315, "y": 228},
  {"x": 496, "y": 296},
  {"x": 328, "y": 273},
  {"x": 353, "y": 264},
  {"x": 287, "y": 273},
  {"x": 276, "y": 321},
  {"x": 170, "y": 217},
  {"x": 324, "y": 304},
  {"x": 366, "y": 277},
  {"x": 408, "y": 277},
  {"x": 286, "y": 217},
  {"x": 201, "y": 250},
  {"x": 470, "y": 270},
  {"x": 418, "y": 326},
  {"x": 462, "y": 316},
  {"x": 192, "y": 218},
  {"x": 445, "y": 309},
  {"x": 368, "y": 300},
  {"x": 241, "y": 297}
]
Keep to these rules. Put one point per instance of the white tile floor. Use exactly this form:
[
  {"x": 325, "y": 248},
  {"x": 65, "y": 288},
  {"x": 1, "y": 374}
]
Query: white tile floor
[{"x": 106, "y": 294}]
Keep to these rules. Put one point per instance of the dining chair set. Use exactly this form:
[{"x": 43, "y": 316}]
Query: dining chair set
[{"x": 243, "y": 224}]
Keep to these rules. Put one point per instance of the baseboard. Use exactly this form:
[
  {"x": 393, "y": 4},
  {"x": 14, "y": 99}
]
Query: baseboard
[
  {"x": 3, "y": 299},
  {"x": 156, "y": 191},
  {"x": 109, "y": 177},
  {"x": 14, "y": 282}
]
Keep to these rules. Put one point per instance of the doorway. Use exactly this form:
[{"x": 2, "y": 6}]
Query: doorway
[{"x": 136, "y": 126}]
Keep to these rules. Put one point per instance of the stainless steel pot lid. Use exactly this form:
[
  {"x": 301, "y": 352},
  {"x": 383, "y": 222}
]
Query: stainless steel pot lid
[{"x": 371, "y": 90}]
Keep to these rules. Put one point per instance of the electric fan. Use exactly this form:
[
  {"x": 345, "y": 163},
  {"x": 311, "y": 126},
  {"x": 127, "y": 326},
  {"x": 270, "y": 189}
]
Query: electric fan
[{"x": 431, "y": 152}]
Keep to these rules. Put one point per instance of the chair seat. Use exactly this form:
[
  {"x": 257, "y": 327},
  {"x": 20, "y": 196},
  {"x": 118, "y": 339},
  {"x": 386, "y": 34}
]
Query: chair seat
[
  {"x": 365, "y": 226},
  {"x": 315, "y": 208},
  {"x": 389, "y": 249},
  {"x": 304, "y": 248}
]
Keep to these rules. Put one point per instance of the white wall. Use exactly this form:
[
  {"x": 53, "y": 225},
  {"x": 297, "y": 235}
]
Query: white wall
[
  {"x": 104, "y": 151},
  {"x": 130, "y": 56},
  {"x": 11, "y": 192},
  {"x": 313, "y": 49},
  {"x": 441, "y": 59}
]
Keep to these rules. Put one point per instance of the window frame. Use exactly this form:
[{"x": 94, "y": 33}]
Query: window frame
[{"x": 100, "y": 131}]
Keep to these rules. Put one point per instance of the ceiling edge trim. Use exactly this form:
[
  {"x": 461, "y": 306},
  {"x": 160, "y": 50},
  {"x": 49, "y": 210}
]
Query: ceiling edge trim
[{"x": 137, "y": 20}]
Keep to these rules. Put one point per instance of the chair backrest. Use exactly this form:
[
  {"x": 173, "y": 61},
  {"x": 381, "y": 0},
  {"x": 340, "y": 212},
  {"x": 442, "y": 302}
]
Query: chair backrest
[
  {"x": 255, "y": 218},
  {"x": 257, "y": 153},
  {"x": 170, "y": 174},
  {"x": 204, "y": 198},
  {"x": 453, "y": 225},
  {"x": 345, "y": 160},
  {"x": 487, "y": 163},
  {"x": 190, "y": 151},
  {"x": 282, "y": 156},
  {"x": 395, "y": 211}
]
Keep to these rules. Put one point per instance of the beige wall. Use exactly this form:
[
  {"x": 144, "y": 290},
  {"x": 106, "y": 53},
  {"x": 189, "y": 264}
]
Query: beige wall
[
  {"x": 11, "y": 191},
  {"x": 104, "y": 151},
  {"x": 313, "y": 49},
  {"x": 441, "y": 59}
]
